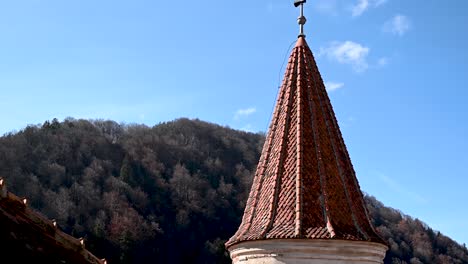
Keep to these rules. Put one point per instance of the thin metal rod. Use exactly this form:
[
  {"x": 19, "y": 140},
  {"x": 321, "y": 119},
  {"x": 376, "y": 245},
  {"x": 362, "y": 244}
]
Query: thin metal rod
[
  {"x": 301, "y": 20},
  {"x": 302, "y": 25}
]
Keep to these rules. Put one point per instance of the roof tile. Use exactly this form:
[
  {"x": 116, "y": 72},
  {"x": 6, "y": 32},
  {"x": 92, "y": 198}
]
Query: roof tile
[
  {"x": 27, "y": 235},
  {"x": 305, "y": 185}
]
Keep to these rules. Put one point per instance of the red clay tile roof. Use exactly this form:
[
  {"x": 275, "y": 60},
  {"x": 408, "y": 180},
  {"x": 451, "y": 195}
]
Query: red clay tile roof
[
  {"x": 305, "y": 185},
  {"x": 28, "y": 237}
]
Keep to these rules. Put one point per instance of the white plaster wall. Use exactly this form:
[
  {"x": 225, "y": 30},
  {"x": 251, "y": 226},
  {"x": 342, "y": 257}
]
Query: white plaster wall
[{"x": 310, "y": 251}]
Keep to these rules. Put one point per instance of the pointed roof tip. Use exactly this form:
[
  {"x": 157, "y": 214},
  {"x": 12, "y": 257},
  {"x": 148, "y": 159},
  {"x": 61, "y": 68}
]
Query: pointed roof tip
[{"x": 301, "y": 42}]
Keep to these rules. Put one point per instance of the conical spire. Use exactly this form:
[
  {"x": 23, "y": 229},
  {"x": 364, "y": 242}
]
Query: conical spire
[{"x": 305, "y": 185}]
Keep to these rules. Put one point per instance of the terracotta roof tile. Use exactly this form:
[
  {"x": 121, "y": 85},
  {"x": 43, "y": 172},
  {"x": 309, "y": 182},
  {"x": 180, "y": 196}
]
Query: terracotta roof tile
[
  {"x": 305, "y": 185},
  {"x": 28, "y": 235}
]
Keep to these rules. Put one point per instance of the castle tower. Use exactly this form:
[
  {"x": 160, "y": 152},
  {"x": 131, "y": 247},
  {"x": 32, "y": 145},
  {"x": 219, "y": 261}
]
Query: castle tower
[{"x": 305, "y": 205}]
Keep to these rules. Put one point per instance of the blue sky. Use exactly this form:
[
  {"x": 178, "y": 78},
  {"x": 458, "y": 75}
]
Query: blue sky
[{"x": 396, "y": 73}]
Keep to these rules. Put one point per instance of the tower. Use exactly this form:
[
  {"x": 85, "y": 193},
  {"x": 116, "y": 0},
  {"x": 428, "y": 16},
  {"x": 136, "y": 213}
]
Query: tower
[{"x": 305, "y": 204}]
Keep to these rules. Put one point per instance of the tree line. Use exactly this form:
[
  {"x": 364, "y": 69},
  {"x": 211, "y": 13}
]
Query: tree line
[{"x": 171, "y": 193}]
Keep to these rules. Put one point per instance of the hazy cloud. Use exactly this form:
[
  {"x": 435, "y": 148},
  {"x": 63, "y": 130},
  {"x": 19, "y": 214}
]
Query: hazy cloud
[
  {"x": 247, "y": 128},
  {"x": 398, "y": 25},
  {"x": 400, "y": 189},
  {"x": 348, "y": 122},
  {"x": 332, "y": 86},
  {"x": 326, "y": 6},
  {"x": 382, "y": 62},
  {"x": 270, "y": 7},
  {"x": 347, "y": 52},
  {"x": 357, "y": 7},
  {"x": 379, "y": 2},
  {"x": 245, "y": 112},
  {"x": 362, "y": 5}
]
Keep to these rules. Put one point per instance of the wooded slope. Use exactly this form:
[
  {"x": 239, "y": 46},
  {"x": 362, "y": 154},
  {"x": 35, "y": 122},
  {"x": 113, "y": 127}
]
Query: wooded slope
[{"x": 173, "y": 193}]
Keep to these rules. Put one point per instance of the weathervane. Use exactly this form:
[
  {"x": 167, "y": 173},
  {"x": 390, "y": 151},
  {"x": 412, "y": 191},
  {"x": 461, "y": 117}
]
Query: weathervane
[{"x": 301, "y": 20}]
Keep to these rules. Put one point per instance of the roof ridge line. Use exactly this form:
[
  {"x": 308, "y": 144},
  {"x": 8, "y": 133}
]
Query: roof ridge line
[
  {"x": 299, "y": 198},
  {"x": 283, "y": 147},
  {"x": 323, "y": 194},
  {"x": 345, "y": 150},
  {"x": 322, "y": 96},
  {"x": 270, "y": 137},
  {"x": 339, "y": 166}
]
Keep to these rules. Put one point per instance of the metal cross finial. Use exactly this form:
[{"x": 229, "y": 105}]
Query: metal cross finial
[{"x": 301, "y": 20}]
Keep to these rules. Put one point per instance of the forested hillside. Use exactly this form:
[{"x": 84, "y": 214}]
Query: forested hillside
[{"x": 172, "y": 193}]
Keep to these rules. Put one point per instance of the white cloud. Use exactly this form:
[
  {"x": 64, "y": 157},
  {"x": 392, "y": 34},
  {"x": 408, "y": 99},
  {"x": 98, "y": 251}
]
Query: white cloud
[
  {"x": 347, "y": 52},
  {"x": 398, "y": 25},
  {"x": 332, "y": 86},
  {"x": 362, "y": 5},
  {"x": 245, "y": 112}
]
